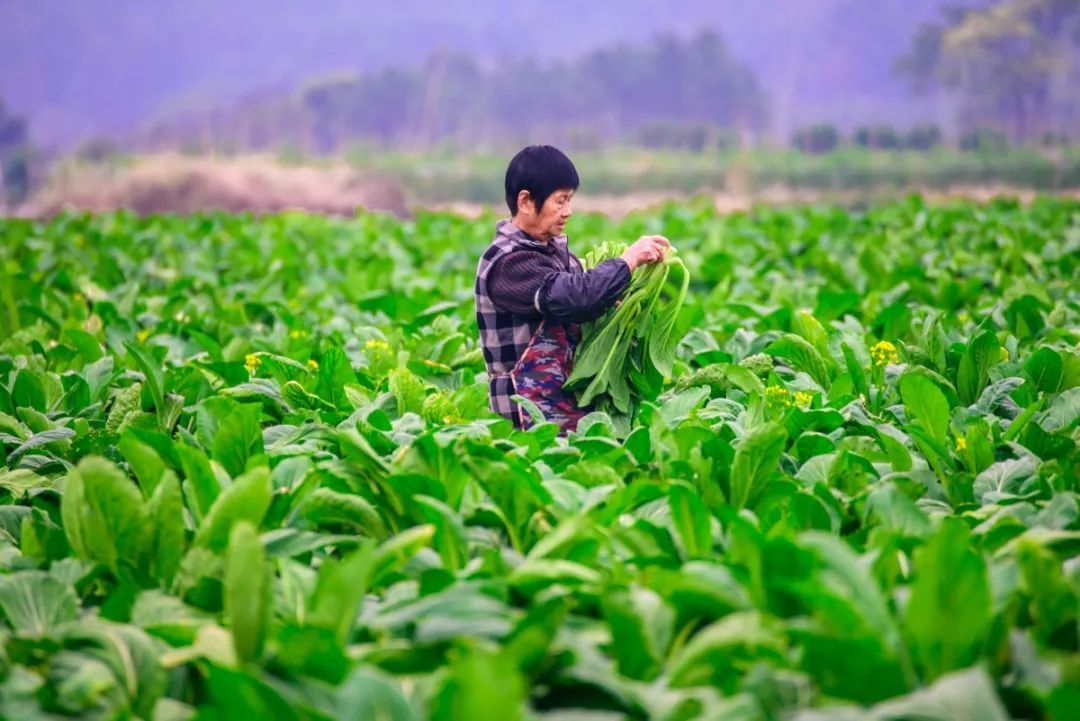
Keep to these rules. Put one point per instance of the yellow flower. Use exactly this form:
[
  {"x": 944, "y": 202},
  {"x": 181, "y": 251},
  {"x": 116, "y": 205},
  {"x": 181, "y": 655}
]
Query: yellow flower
[
  {"x": 376, "y": 344},
  {"x": 961, "y": 444},
  {"x": 313, "y": 364},
  {"x": 297, "y": 334},
  {"x": 884, "y": 353},
  {"x": 143, "y": 334},
  {"x": 778, "y": 395},
  {"x": 251, "y": 362},
  {"x": 438, "y": 366},
  {"x": 803, "y": 399},
  {"x": 963, "y": 316}
]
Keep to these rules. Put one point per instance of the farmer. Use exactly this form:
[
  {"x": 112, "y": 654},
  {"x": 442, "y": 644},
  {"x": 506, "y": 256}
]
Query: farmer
[{"x": 532, "y": 292}]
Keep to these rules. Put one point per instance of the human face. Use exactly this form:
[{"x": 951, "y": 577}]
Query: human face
[{"x": 551, "y": 220}]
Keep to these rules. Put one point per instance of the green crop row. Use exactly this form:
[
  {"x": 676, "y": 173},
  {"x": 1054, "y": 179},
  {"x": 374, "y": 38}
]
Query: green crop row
[{"x": 247, "y": 471}]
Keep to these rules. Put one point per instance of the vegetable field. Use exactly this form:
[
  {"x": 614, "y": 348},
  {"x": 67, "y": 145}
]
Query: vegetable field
[{"x": 247, "y": 471}]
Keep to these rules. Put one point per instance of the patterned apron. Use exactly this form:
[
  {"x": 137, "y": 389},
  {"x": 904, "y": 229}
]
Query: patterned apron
[{"x": 542, "y": 370}]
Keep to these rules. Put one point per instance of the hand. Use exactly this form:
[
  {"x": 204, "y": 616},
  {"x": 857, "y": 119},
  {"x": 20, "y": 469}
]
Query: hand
[{"x": 647, "y": 249}]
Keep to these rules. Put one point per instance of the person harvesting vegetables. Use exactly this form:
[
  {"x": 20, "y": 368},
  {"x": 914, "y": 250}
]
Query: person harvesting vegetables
[{"x": 533, "y": 294}]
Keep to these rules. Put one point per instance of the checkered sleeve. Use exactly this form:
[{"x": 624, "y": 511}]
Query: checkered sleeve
[
  {"x": 582, "y": 297},
  {"x": 514, "y": 281}
]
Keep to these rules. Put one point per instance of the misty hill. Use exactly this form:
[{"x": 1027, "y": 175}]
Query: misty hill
[{"x": 80, "y": 69}]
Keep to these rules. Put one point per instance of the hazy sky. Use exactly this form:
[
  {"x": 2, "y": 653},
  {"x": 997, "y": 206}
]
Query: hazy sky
[{"x": 82, "y": 67}]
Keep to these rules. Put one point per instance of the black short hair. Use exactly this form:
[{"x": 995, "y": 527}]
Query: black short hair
[{"x": 541, "y": 170}]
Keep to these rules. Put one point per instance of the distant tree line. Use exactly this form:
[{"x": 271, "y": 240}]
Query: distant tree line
[
  {"x": 15, "y": 157},
  {"x": 673, "y": 92},
  {"x": 825, "y": 138},
  {"x": 1011, "y": 66}
]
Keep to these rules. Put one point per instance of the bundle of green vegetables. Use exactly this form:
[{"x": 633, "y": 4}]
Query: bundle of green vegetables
[{"x": 625, "y": 355}]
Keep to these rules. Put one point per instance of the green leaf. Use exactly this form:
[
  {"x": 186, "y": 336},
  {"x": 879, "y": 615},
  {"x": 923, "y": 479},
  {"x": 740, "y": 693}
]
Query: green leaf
[
  {"x": 370, "y": 694},
  {"x": 1062, "y": 413},
  {"x": 662, "y": 339},
  {"x": 480, "y": 686},
  {"x": 810, "y": 329},
  {"x": 720, "y": 652},
  {"x": 144, "y": 462},
  {"x": 129, "y": 655},
  {"x": 103, "y": 515},
  {"x": 165, "y": 511},
  {"x": 1054, "y": 606},
  {"x": 538, "y": 573},
  {"x": 28, "y": 391},
  {"x": 642, "y": 625},
  {"x": 231, "y": 431},
  {"x": 1007, "y": 480},
  {"x": 450, "y": 539},
  {"x": 349, "y": 512},
  {"x": 1045, "y": 369},
  {"x": 888, "y": 506},
  {"x": 967, "y": 695},
  {"x": 21, "y": 480},
  {"x": 407, "y": 389},
  {"x": 203, "y": 486},
  {"x": 535, "y": 414},
  {"x": 247, "y": 499},
  {"x": 855, "y": 370},
  {"x": 979, "y": 357},
  {"x": 692, "y": 521},
  {"x": 803, "y": 356},
  {"x": 756, "y": 458},
  {"x": 340, "y": 587},
  {"x": 1024, "y": 316},
  {"x": 168, "y": 618},
  {"x": 155, "y": 379},
  {"x": 98, "y": 375},
  {"x": 248, "y": 592},
  {"x": 335, "y": 372},
  {"x": 37, "y": 440},
  {"x": 926, "y": 405},
  {"x": 395, "y": 552},
  {"x": 996, "y": 394},
  {"x": 35, "y": 603},
  {"x": 948, "y": 615},
  {"x": 310, "y": 651},
  {"x": 683, "y": 404}
]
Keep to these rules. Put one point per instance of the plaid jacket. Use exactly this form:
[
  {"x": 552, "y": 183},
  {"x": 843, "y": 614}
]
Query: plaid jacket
[
  {"x": 504, "y": 336},
  {"x": 547, "y": 284}
]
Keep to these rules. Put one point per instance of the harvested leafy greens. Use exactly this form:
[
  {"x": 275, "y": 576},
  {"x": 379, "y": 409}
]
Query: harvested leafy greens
[{"x": 626, "y": 354}]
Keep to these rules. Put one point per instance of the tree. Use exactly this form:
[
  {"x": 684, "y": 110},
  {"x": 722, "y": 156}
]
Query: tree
[
  {"x": 693, "y": 82},
  {"x": 1002, "y": 62},
  {"x": 14, "y": 157},
  {"x": 817, "y": 139}
]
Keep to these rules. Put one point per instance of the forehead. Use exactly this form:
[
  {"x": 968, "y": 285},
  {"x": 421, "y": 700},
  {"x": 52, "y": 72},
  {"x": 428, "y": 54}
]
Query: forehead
[{"x": 563, "y": 192}]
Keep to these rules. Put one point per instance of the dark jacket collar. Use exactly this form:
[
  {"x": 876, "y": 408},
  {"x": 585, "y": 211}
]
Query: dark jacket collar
[{"x": 506, "y": 227}]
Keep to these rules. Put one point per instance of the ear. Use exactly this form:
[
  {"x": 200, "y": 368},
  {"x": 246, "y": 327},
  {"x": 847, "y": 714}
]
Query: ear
[{"x": 523, "y": 199}]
